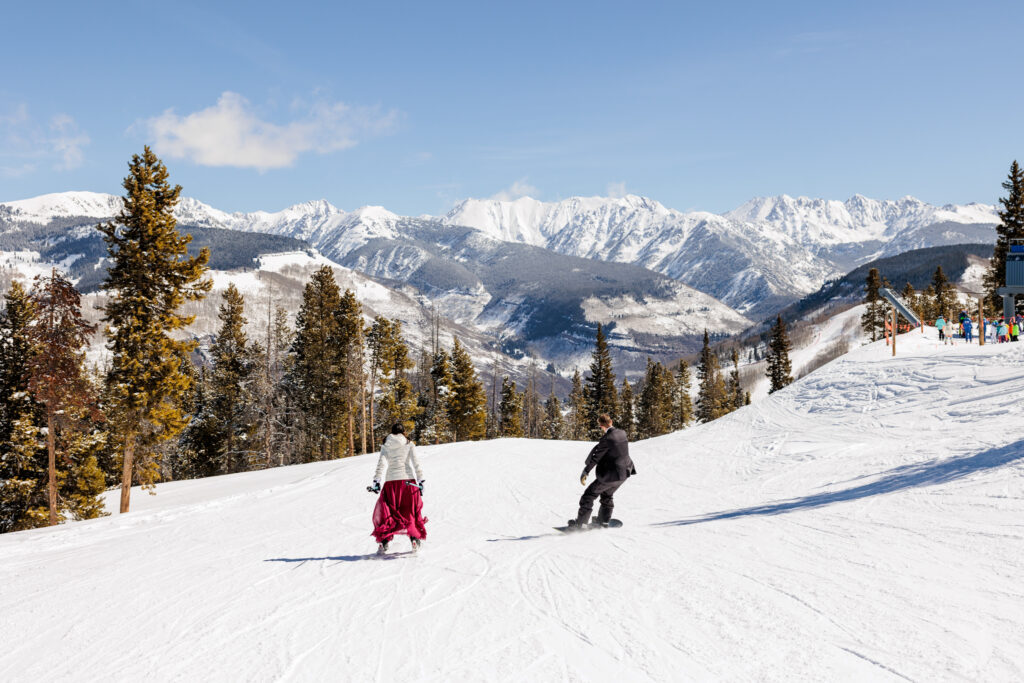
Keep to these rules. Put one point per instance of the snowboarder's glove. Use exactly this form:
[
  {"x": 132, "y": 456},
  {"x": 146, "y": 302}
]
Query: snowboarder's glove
[
  {"x": 583, "y": 478},
  {"x": 375, "y": 488},
  {"x": 421, "y": 482}
]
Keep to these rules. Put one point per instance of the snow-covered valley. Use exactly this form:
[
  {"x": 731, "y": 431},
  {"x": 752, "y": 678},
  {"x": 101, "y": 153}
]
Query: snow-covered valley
[{"x": 862, "y": 524}]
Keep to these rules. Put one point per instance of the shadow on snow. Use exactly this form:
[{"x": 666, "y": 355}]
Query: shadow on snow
[
  {"x": 343, "y": 558},
  {"x": 901, "y": 478}
]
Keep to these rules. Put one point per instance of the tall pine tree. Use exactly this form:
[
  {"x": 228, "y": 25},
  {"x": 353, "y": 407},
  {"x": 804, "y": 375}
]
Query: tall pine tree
[
  {"x": 510, "y": 410},
  {"x": 627, "y": 413},
  {"x": 149, "y": 278},
  {"x": 873, "y": 319},
  {"x": 682, "y": 402},
  {"x": 711, "y": 390},
  {"x": 600, "y": 393},
  {"x": 577, "y": 426},
  {"x": 780, "y": 370},
  {"x": 468, "y": 404},
  {"x": 945, "y": 295},
  {"x": 554, "y": 422},
  {"x": 232, "y": 404},
  {"x": 1011, "y": 227}
]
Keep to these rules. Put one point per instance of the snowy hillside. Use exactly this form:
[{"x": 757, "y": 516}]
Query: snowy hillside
[{"x": 862, "y": 524}]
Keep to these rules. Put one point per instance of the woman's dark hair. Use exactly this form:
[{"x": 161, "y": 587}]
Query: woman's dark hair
[{"x": 398, "y": 428}]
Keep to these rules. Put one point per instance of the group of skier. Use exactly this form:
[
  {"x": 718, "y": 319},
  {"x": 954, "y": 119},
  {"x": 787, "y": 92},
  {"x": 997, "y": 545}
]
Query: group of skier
[
  {"x": 995, "y": 331},
  {"x": 399, "y": 508}
]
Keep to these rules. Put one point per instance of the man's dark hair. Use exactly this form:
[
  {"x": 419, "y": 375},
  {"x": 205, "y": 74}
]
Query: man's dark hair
[
  {"x": 604, "y": 420},
  {"x": 398, "y": 428}
]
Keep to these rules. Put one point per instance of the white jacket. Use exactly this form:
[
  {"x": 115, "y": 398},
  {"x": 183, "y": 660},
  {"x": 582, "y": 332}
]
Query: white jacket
[{"x": 399, "y": 454}]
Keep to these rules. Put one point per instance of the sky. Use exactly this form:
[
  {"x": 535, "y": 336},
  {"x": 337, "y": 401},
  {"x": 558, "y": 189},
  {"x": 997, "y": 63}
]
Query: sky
[{"x": 415, "y": 106}]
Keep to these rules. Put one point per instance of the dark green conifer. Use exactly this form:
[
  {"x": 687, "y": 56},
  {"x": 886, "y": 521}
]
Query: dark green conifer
[
  {"x": 1011, "y": 227},
  {"x": 780, "y": 370},
  {"x": 468, "y": 404},
  {"x": 600, "y": 393}
]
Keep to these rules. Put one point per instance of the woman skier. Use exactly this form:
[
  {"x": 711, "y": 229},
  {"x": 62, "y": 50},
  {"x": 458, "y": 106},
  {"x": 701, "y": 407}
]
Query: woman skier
[{"x": 400, "y": 505}]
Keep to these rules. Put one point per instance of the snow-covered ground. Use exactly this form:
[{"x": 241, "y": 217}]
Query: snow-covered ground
[{"x": 865, "y": 523}]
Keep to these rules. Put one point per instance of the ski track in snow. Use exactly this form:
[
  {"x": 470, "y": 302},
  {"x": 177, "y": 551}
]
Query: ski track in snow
[{"x": 866, "y": 523}]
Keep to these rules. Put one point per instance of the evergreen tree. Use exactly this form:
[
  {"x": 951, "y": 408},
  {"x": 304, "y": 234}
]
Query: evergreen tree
[
  {"x": 533, "y": 412},
  {"x": 554, "y": 422},
  {"x": 600, "y": 391},
  {"x": 15, "y": 349},
  {"x": 1011, "y": 227},
  {"x": 23, "y": 490},
  {"x": 652, "y": 417},
  {"x": 627, "y": 417},
  {"x": 318, "y": 368},
  {"x": 510, "y": 410},
  {"x": 927, "y": 304},
  {"x": 779, "y": 367},
  {"x": 468, "y": 405},
  {"x": 710, "y": 385},
  {"x": 198, "y": 451},
  {"x": 873, "y": 319},
  {"x": 735, "y": 399},
  {"x": 274, "y": 413},
  {"x": 58, "y": 335},
  {"x": 439, "y": 429},
  {"x": 231, "y": 396},
  {"x": 578, "y": 427},
  {"x": 397, "y": 401},
  {"x": 150, "y": 276},
  {"x": 352, "y": 356},
  {"x": 682, "y": 403},
  {"x": 945, "y": 295}
]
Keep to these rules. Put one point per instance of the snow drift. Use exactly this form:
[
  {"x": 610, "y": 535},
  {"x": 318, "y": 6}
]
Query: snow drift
[{"x": 864, "y": 523}]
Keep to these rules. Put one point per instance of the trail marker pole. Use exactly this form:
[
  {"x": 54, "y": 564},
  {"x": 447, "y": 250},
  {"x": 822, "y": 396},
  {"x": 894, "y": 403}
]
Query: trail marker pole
[
  {"x": 981, "y": 321},
  {"x": 895, "y": 329}
]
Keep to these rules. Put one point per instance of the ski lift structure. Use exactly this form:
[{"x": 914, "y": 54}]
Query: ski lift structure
[
  {"x": 899, "y": 308},
  {"x": 1014, "y": 278}
]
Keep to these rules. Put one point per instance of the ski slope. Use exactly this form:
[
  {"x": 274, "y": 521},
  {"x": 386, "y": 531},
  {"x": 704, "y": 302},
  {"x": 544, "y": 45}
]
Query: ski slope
[{"x": 866, "y": 523}]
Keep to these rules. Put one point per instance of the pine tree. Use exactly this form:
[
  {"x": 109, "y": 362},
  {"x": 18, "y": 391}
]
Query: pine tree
[
  {"x": 439, "y": 430},
  {"x": 909, "y": 295},
  {"x": 149, "y": 278},
  {"x": 710, "y": 385},
  {"x": 927, "y": 303},
  {"x": 468, "y": 405},
  {"x": 23, "y": 494},
  {"x": 735, "y": 398},
  {"x": 652, "y": 417},
  {"x": 627, "y": 417},
  {"x": 779, "y": 367},
  {"x": 318, "y": 369},
  {"x": 945, "y": 295},
  {"x": 873, "y": 319},
  {"x": 58, "y": 335},
  {"x": 231, "y": 396},
  {"x": 682, "y": 403},
  {"x": 15, "y": 349},
  {"x": 1011, "y": 227},
  {"x": 578, "y": 427},
  {"x": 600, "y": 385},
  {"x": 273, "y": 412},
  {"x": 352, "y": 356},
  {"x": 510, "y": 410},
  {"x": 533, "y": 412},
  {"x": 397, "y": 401},
  {"x": 554, "y": 422}
]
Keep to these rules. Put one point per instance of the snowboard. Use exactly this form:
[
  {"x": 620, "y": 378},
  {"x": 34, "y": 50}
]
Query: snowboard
[{"x": 612, "y": 524}]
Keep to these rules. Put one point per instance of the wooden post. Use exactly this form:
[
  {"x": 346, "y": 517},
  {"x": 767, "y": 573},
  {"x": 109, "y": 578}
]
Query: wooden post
[
  {"x": 981, "y": 321},
  {"x": 895, "y": 328}
]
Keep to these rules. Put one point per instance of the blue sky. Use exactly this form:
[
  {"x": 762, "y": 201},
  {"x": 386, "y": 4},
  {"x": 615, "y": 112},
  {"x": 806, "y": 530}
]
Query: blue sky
[{"x": 415, "y": 105}]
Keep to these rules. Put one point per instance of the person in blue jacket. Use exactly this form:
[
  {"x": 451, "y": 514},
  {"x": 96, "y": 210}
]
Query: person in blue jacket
[
  {"x": 940, "y": 324},
  {"x": 968, "y": 326}
]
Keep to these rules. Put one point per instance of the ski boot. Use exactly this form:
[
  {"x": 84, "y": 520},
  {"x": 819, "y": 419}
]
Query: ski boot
[
  {"x": 382, "y": 548},
  {"x": 416, "y": 543}
]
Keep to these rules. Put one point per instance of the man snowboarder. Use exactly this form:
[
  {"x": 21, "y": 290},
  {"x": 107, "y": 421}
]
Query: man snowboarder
[{"x": 611, "y": 457}]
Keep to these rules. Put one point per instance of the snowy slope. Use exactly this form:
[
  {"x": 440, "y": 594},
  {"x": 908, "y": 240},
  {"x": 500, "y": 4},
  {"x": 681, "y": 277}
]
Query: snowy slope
[{"x": 862, "y": 524}]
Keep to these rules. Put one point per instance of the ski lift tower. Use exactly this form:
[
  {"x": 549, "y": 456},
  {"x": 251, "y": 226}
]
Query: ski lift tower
[{"x": 1014, "y": 278}]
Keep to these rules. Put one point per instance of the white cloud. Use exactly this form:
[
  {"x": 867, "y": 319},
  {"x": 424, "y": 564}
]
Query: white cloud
[
  {"x": 231, "y": 134},
  {"x": 519, "y": 188},
  {"x": 616, "y": 190},
  {"x": 25, "y": 143}
]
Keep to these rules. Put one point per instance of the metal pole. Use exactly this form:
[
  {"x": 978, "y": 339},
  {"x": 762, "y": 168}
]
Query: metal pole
[
  {"x": 895, "y": 320},
  {"x": 981, "y": 321}
]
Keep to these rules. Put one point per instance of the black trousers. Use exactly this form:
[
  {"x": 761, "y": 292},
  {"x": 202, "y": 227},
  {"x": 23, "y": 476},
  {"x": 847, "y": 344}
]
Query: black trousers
[{"x": 604, "y": 490}]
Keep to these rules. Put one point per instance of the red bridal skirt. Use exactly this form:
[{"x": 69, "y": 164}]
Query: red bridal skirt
[{"x": 399, "y": 510}]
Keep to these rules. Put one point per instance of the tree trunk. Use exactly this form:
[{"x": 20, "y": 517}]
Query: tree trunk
[
  {"x": 126, "y": 474},
  {"x": 53, "y": 466}
]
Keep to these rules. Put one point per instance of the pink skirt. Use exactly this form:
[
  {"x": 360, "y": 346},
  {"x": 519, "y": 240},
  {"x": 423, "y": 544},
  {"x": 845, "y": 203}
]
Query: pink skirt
[{"x": 399, "y": 510}]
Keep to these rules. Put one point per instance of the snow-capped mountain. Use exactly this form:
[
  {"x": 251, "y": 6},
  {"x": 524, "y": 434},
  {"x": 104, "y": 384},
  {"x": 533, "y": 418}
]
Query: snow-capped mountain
[
  {"x": 753, "y": 258},
  {"x": 758, "y": 257}
]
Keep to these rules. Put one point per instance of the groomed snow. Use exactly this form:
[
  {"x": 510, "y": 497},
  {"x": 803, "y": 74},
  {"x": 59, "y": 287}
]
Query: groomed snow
[{"x": 864, "y": 523}]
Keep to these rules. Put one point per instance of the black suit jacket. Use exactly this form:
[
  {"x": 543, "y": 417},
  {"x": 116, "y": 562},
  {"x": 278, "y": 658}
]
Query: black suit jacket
[{"x": 611, "y": 456}]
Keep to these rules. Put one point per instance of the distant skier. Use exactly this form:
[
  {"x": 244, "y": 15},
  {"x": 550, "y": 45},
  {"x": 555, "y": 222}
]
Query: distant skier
[
  {"x": 400, "y": 505},
  {"x": 614, "y": 466},
  {"x": 940, "y": 324},
  {"x": 968, "y": 326}
]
